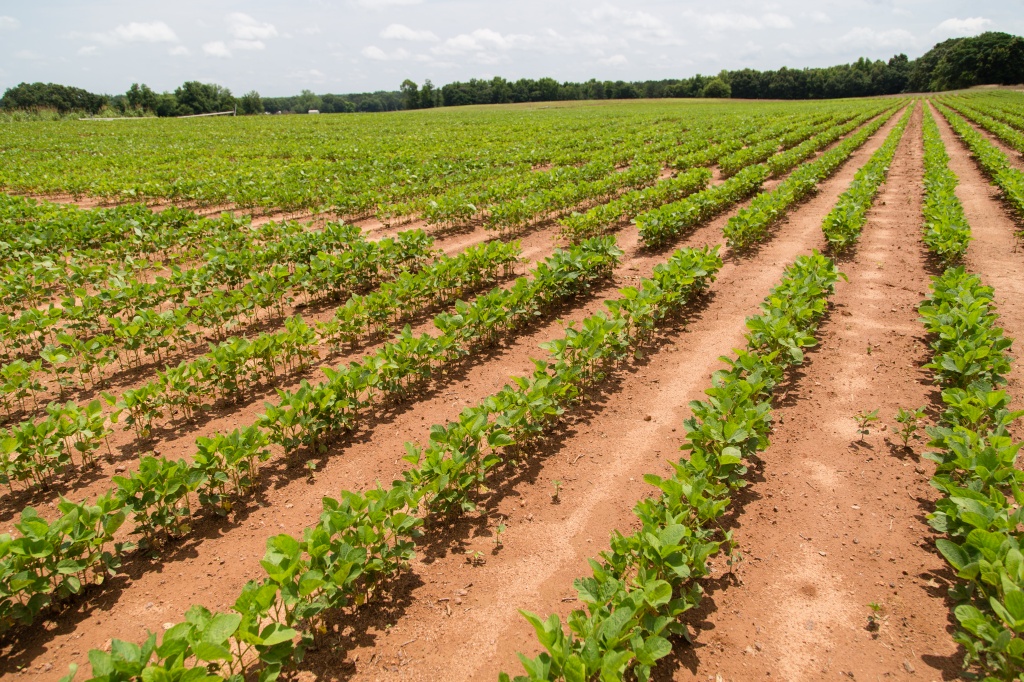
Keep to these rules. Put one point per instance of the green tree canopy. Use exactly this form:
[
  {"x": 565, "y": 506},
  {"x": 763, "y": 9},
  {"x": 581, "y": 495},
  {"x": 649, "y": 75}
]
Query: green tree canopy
[{"x": 202, "y": 98}]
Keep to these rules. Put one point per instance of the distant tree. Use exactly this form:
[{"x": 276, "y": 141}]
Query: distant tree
[
  {"x": 988, "y": 58},
  {"x": 370, "y": 104},
  {"x": 202, "y": 98},
  {"x": 141, "y": 97},
  {"x": 410, "y": 94},
  {"x": 250, "y": 103},
  {"x": 428, "y": 95},
  {"x": 166, "y": 104},
  {"x": 717, "y": 88},
  {"x": 337, "y": 104},
  {"x": 307, "y": 100},
  {"x": 52, "y": 96}
]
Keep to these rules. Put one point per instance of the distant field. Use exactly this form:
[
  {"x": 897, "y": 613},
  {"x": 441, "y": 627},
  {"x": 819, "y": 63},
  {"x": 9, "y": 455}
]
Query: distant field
[{"x": 367, "y": 163}]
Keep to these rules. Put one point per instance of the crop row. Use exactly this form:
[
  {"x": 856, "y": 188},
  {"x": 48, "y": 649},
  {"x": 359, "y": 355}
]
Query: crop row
[
  {"x": 518, "y": 213},
  {"x": 76, "y": 355},
  {"x": 1011, "y": 136},
  {"x": 29, "y": 278},
  {"x": 843, "y": 225},
  {"x": 597, "y": 220},
  {"x": 712, "y": 148},
  {"x": 357, "y": 166},
  {"x": 768, "y": 146},
  {"x": 362, "y": 542},
  {"x": 946, "y": 232},
  {"x": 34, "y": 450},
  {"x": 667, "y": 222},
  {"x": 993, "y": 161},
  {"x": 29, "y": 228},
  {"x": 750, "y": 225},
  {"x": 647, "y": 580},
  {"x": 229, "y": 264},
  {"x": 980, "y": 510},
  {"x": 225, "y": 467},
  {"x": 631, "y": 204}
]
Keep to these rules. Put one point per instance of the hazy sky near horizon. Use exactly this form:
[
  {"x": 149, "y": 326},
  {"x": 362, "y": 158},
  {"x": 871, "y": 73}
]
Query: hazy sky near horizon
[{"x": 340, "y": 46}]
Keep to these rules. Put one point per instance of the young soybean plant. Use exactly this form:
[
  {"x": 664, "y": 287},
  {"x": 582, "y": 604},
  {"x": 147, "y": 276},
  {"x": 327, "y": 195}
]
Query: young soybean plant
[
  {"x": 908, "y": 424},
  {"x": 864, "y": 420}
]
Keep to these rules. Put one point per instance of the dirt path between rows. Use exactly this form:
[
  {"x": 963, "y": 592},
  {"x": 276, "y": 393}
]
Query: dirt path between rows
[{"x": 833, "y": 525}]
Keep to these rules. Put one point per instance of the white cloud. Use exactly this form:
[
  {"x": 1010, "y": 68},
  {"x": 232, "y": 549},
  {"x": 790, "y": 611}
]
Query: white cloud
[
  {"x": 483, "y": 40},
  {"x": 374, "y": 52},
  {"x": 377, "y": 54},
  {"x": 28, "y": 55},
  {"x": 381, "y": 4},
  {"x": 958, "y": 28},
  {"x": 402, "y": 32},
  {"x": 8, "y": 23},
  {"x": 244, "y": 28},
  {"x": 724, "y": 21},
  {"x": 820, "y": 18},
  {"x": 138, "y": 32},
  {"x": 749, "y": 50},
  {"x": 863, "y": 38},
  {"x": 216, "y": 49},
  {"x": 640, "y": 26},
  {"x": 310, "y": 76},
  {"x": 614, "y": 60},
  {"x": 792, "y": 50},
  {"x": 179, "y": 51},
  {"x": 88, "y": 50},
  {"x": 248, "y": 44},
  {"x": 777, "y": 21}
]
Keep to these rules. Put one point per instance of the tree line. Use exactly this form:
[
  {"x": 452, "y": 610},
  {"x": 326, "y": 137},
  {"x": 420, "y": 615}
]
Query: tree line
[
  {"x": 990, "y": 58},
  {"x": 193, "y": 97}
]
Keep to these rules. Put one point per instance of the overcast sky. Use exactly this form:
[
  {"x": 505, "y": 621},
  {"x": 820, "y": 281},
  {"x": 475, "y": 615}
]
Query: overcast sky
[{"x": 339, "y": 46}]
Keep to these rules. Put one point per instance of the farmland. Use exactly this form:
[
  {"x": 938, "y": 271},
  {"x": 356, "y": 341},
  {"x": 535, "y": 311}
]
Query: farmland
[{"x": 660, "y": 389}]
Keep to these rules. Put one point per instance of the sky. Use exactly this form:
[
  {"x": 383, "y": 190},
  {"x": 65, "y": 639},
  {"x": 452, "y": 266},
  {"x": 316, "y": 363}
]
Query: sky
[{"x": 280, "y": 47}]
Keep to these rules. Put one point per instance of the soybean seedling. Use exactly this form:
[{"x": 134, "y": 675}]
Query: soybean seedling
[
  {"x": 558, "y": 490},
  {"x": 310, "y": 469},
  {"x": 875, "y": 617},
  {"x": 497, "y": 535},
  {"x": 475, "y": 557},
  {"x": 908, "y": 424},
  {"x": 864, "y": 420}
]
